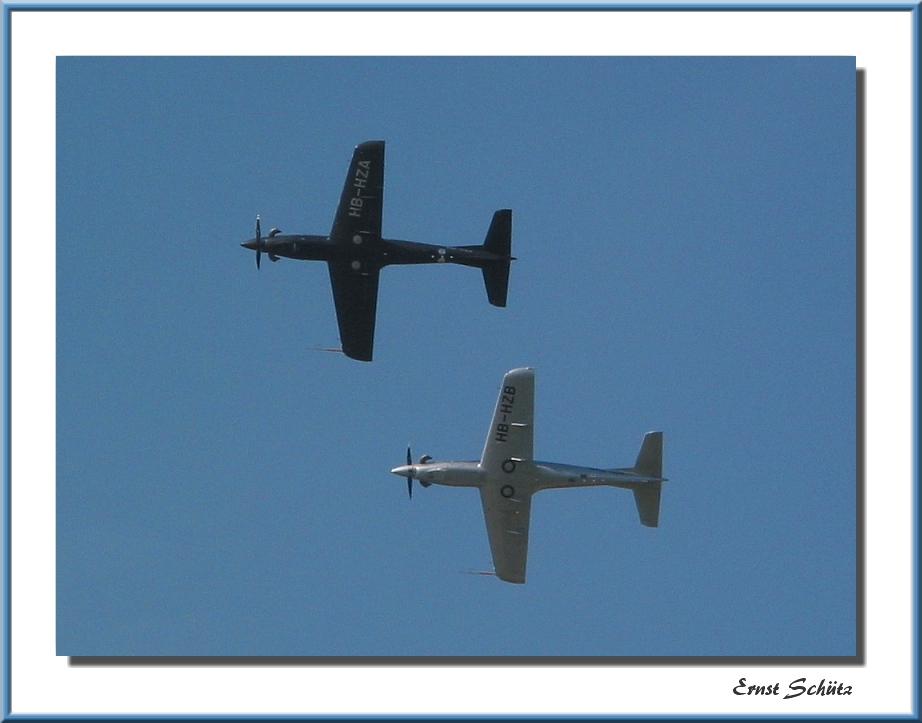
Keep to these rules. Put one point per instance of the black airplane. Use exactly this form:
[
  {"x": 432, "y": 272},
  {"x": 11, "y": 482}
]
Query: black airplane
[{"x": 355, "y": 252}]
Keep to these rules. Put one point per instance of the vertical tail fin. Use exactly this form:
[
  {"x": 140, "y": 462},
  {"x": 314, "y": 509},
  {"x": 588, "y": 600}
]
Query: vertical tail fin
[{"x": 499, "y": 242}]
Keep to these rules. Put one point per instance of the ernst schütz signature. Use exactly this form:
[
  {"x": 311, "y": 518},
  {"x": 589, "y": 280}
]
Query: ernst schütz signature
[{"x": 795, "y": 689}]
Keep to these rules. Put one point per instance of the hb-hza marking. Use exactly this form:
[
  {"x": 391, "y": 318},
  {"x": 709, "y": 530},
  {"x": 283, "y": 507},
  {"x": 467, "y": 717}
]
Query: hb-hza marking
[
  {"x": 362, "y": 172},
  {"x": 506, "y": 401}
]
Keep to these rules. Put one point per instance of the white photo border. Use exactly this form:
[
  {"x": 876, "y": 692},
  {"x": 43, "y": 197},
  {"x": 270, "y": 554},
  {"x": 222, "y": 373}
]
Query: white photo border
[{"x": 884, "y": 41}]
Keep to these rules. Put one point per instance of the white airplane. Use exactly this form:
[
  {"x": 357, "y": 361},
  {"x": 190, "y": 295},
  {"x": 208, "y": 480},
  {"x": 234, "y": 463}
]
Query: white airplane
[{"x": 507, "y": 475}]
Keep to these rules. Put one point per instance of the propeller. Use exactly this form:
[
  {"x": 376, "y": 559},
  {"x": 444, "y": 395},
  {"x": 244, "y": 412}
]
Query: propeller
[
  {"x": 409, "y": 479},
  {"x": 422, "y": 460},
  {"x": 259, "y": 243}
]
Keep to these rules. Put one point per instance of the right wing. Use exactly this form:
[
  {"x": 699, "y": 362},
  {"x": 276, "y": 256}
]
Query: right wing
[
  {"x": 511, "y": 433},
  {"x": 358, "y": 216},
  {"x": 355, "y": 294},
  {"x": 507, "y": 527}
]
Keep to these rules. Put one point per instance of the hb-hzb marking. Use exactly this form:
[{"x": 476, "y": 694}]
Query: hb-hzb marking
[
  {"x": 361, "y": 180},
  {"x": 506, "y": 401}
]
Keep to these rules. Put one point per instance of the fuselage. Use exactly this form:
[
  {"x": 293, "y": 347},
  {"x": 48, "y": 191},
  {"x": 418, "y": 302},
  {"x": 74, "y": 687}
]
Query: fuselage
[
  {"x": 528, "y": 476},
  {"x": 382, "y": 252}
]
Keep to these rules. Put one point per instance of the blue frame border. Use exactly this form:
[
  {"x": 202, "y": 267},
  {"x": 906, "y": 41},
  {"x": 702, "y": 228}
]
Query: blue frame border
[{"x": 8, "y": 8}]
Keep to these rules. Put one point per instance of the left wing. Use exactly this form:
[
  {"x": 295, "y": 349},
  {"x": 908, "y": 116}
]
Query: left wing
[
  {"x": 507, "y": 527},
  {"x": 355, "y": 294},
  {"x": 358, "y": 216},
  {"x": 506, "y": 453},
  {"x": 511, "y": 433}
]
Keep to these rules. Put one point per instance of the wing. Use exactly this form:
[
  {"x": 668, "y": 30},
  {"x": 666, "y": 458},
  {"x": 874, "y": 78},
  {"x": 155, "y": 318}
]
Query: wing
[
  {"x": 355, "y": 294},
  {"x": 359, "y": 212},
  {"x": 507, "y": 527},
  {"x": 511, "y": 433}
]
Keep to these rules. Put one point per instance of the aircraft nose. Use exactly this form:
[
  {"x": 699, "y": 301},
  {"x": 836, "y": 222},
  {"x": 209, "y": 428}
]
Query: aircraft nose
[
  {"x": 251, "y": 244},
  {"x": 405, "y": 470}
]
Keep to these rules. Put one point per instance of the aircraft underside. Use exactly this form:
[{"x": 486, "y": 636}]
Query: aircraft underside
[
  {"x": 356, "y": 252},
  {"x": 508, "y": 476}
]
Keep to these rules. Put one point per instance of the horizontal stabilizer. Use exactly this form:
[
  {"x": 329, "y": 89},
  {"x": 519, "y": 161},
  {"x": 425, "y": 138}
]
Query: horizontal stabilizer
[
  {"x": 649, "y": 464},
  {"x": 496, "y": 279},
  {"x": 499, "y": 242},
  {"x": 499, "y": 236},
  {"x": 650, "y": 458},
  {"x": 647, "y": 498}
]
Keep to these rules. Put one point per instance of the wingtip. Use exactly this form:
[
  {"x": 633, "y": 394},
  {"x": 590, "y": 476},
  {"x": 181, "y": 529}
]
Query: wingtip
[
  {"x": 357, "y": 355},
  {"x": 522, "y": 370}
]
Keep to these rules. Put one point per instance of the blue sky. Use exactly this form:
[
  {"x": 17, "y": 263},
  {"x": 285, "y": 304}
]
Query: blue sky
[{"x": 685, "y": 234}]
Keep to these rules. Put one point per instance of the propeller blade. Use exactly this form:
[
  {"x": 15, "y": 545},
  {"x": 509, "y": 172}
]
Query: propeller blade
[
  {"x": 259, "y": 246},
  {"x": 409, "y": 479}
]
